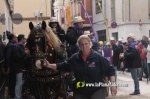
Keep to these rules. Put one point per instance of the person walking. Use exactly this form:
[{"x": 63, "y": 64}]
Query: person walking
[{"x": 133, "y": 62}]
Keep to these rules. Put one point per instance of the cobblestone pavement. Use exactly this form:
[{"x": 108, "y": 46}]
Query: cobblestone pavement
[{"x": 123, "y": 92}]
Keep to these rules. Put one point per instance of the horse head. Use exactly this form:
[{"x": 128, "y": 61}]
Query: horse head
[
  {"x": 36, "y": 39},
  {"x": 42, "y": 42}
]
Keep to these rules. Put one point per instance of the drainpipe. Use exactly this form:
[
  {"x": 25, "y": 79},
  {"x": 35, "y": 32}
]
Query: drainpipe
[
  {"x": 123, "y": 10},
  {"x": 129, "y": 10}
]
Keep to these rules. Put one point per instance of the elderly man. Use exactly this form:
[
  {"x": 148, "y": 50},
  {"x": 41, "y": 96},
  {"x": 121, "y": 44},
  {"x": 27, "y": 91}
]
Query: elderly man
[
  {"x": 73, "y": 34},
  {"x": 88, "y": 66},
  {"x": 133, "y": 62}
]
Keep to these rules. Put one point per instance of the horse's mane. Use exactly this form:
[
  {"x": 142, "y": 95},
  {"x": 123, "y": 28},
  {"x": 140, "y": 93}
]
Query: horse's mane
[{"x": 52, "y": 38}]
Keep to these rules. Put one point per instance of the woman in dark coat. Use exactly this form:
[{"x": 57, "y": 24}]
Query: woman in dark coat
[{"x": 54, "y": 24}]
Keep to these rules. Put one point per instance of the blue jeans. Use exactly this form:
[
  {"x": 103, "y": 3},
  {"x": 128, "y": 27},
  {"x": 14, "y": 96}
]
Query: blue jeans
[
  {"x": 135, "y": 79},
  {"x": 115, "y": 67},
  {"x": 148, "y": 69},
  {"x": 144, "y": 65},
  {"x": 18, "y": 87}
]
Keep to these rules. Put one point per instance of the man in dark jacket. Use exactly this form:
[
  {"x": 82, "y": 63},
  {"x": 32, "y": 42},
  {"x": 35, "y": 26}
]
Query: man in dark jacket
[
  {"x": 116, "y": 53},
  {"x": 120, "y": 45},
  {"x": 133, "y": 62},
  {"x": 19, "y": 54},
  {"x": 73, "y": 34},
  {"x": 8, "y": 68},
  {"x": 2, "y": 59}
]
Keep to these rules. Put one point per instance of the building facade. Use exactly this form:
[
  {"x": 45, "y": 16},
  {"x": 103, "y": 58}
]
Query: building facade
[
  {"x": 66, "y": 10},
  {"x": 15, "y": 15},
  {"x": 26, "y": 11},
  {"x": 123, "y": 17}
]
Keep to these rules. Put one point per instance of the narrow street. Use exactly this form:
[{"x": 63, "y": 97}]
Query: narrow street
[{"x": 123, "y": 92}]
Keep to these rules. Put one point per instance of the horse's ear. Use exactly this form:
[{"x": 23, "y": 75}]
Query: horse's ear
[
  {"x": 43, "y": 25},
  {"x": 31, "y": 26}
]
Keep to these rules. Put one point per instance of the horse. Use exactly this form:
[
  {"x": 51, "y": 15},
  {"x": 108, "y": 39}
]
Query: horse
[{"x": 41, "y": 82}]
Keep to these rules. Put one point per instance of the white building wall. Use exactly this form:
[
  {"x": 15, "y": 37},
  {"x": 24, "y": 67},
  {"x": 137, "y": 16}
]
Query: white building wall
[
  {"x": 125, "y": 26},
  {"x": 119, "y": 12},
  {"x": 125, "y": 29},
  {"x": 139, "y": 10},
  {"x": 29, "y": 9}
]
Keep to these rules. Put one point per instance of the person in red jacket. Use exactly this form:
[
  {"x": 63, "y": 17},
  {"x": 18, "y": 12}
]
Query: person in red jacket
[{"x": 143, "y": 60}]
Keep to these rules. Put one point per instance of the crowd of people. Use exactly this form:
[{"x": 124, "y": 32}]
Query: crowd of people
[
  {"x": 132, "y": 56},
  {"x": 90, "y": 61}
]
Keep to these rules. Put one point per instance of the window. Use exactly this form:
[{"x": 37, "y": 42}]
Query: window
[
  {"x": 97, "y": 7},
  {"x": 115, "y": 35},
  {"x": 102, "y": 35}
]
